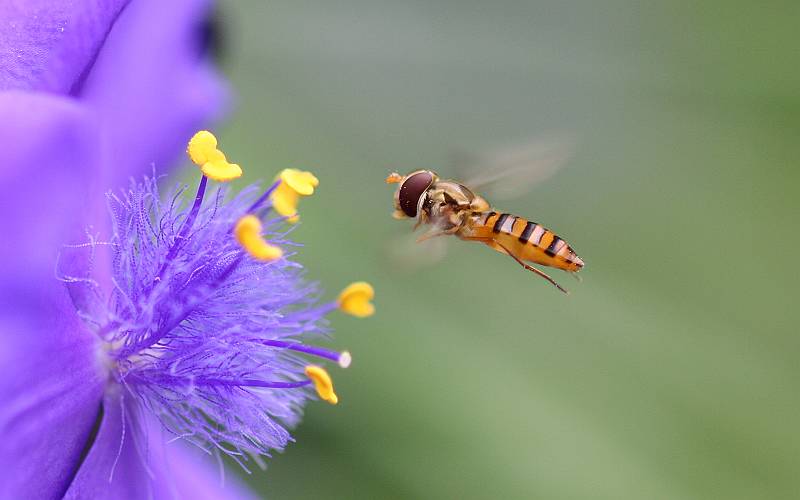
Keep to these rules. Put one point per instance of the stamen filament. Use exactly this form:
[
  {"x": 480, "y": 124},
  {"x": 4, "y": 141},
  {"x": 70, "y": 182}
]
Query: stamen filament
[
  {"x": 264, "y": 197},
  {"x": 187, "y": 225},
  {"x": 176, "y": 320},
  {"x": 245, "y": 382},
  {"x": 252, "y": 383},
  {"x": 342, "y": 358},
  {"x": 316, "y": 312}
]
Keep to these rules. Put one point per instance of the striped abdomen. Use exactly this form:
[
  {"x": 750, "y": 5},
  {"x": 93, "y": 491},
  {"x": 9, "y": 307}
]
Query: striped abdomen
[{"x": 525, "y": 239}]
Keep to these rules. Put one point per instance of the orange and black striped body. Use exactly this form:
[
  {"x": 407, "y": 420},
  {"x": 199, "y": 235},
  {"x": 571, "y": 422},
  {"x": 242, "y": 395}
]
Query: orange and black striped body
[{"x": 521, "y": 238}]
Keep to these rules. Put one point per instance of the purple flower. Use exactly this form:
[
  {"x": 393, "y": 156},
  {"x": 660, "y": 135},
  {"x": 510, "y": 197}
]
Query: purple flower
[
  {"x": 188, "y": 324},
  {"x": 90, "y": 93},
  {"x": 206, "y": 324}
]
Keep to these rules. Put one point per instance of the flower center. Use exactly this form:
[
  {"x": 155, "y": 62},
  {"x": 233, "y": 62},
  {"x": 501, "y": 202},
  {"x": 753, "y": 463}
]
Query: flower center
[{"x": 208, "y": 324}]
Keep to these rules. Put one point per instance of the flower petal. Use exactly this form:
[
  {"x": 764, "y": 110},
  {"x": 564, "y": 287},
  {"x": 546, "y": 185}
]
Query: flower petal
[
  {"x": 152, "y": 85},
  {"x": 114, "y": 466},
  {"x": 191, "y": 476},
  {"x": 50, "y": 384},
  {"x": 49, "y": 44},
  {"x": 50, "y": 393},
  {"x": 49, "y": 171}
]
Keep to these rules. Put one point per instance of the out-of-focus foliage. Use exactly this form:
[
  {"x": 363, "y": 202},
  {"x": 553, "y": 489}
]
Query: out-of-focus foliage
[{"x": 671, "y": 371}]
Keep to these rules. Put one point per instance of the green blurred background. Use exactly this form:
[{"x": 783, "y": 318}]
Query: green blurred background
[{"x": 671, "y": 371}]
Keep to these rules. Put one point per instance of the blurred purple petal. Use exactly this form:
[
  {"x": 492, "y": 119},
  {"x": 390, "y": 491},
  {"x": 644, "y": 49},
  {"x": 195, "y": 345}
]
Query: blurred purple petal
[
  {"x": 52, "y": 184},
  {"x": 50, "y": 388},
  {"x": 153, "y": 85},
  {"x": 50, "y": 385},
  {"x": 49, "y": 44},
  {"x": 193, "y": 477},
  {"x": 114, "y": 468}
]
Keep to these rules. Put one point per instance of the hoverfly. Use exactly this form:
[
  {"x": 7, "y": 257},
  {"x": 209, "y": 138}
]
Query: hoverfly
[{"x": 450, "y": 207}]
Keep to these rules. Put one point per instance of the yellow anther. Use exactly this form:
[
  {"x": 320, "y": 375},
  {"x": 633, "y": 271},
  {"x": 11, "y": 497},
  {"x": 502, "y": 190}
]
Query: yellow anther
[
  {"x": 355, "y": 299},
  {"x": 322, "y": 383},
  {"x": 294, "y": 183},
  {"x": 203, "y": 152},
  {"x": 248, "y": 234},
  {"x": 300, "y": 181},
  {"x": 201, "y": 145},
  {"x": 221, "y": 171}
]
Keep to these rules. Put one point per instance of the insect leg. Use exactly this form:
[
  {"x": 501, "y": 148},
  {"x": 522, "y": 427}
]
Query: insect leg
[
  {"x": 533, "y": 269},
  {"x": 492, "y": 242},
  {"x": 422, "y": 218},
  {"x": 431, "y": 234}
]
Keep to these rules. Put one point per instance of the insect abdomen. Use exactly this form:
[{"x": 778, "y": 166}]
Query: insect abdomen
[{"x": 529, "y": 241}]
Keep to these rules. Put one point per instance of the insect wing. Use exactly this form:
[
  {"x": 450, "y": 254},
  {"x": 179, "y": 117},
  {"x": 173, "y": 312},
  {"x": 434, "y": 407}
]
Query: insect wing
[
  {"x": 407, "y": 254},
  {"x": 413, "y": 253},
  {"x": 510, "y": 172}
]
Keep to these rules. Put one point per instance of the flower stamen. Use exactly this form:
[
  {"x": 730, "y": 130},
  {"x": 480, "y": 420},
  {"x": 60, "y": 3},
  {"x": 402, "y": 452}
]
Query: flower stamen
[
  {"x": 202, "y": 150},
  {"x": 263, "y": 198},
  {"x": 322, "y": 383},
  {"x": 186, "y": 227},
  {"x": 294, "y": 183},
  {"x": 248, "y": 234},
  {"x": 355, "y": 299},
  {"x": 343, "y": 358}
]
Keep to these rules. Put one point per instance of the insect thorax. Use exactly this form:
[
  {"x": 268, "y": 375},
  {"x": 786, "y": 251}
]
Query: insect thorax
[{"x": 451, "y": 201}]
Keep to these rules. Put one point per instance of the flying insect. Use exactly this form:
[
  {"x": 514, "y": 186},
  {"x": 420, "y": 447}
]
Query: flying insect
[{"x": 449, "y": 207}]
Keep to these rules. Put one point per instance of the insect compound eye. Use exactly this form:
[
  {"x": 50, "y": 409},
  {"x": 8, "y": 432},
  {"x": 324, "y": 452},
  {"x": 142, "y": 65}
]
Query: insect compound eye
[{"x": 410, "y": 191}]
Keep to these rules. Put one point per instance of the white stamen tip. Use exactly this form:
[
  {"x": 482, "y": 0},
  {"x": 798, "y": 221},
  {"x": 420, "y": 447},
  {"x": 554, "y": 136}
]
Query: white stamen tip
[{"x": 345, "y": 359}]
